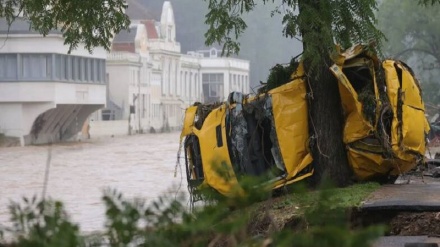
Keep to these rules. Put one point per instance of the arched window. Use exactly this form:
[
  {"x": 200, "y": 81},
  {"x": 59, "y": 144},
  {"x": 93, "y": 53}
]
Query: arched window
[{"x": 213, "y": 52}]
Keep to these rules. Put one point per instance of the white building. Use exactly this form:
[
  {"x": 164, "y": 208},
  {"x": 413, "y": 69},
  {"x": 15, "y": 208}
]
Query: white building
[
  {"x": 222, "y": 75},
  {"x": 146, "y": 64},
  {"x": 129, "y": 77},
  {"x": 46, "y": 94}
]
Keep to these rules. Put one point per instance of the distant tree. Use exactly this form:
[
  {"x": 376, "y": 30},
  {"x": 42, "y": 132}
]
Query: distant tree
[
  {"x": 413, "y": 36},
  {"x": 92, "y": 23},
  {"x": 410, "y": 29},
  {"x": 319, "y": 24}
]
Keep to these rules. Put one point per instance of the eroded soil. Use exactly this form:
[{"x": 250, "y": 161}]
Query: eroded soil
[{"x": 415, "y": 224}]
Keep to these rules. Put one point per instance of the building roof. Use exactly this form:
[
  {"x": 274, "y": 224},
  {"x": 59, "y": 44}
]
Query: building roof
[
  {"x": 150, "y": 25},
  {"x": 125, "y": 36},
  {"x": 137, "y": 11},
  {"x": 19, "y": 26},
  {"x": 127, "y": 47}
]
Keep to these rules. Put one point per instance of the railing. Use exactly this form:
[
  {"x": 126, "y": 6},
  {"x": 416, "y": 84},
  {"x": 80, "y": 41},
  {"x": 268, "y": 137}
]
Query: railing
[
  {"x": 164, "y": 45},
  {"x": 123, "y": 56}
]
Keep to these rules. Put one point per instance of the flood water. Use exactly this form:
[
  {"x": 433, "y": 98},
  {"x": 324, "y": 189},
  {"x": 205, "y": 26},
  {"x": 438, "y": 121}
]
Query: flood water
[{"x": 140, "y": 166}]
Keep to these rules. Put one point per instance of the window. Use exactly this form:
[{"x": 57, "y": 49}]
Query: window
[
  {"x": 180, "y": 86},
  {"x": 93, "y": 70},
  {"x": 51, "y": 67},
  {"x": 196, "y": 82},
  {"x": 8, "y": 66},
  {"x": 98, "y": 71},
  {"x": 74, "y": 68},
  {"x": 58, "y": 64},
  {"x": 143, "y": 105},
  {"x": 191, "y": 87},
  {"x": 170, "y": 79},
  {"x": 162, "y": 85},
  {"x": 246, "y": 84},
  {"x": 82, "y": 69},
  {"x": 176, "y": 78},
  {"x": 215, "y": 90},
  {"x": 213, "y": 85},
  {"x": 186, "y": 85},
  {"x": 67, "y": 68},
  {"x": 86, "y": 69},
  {"x": 213, "y": 52},
  {"x": 102, "y": 72},
  {"x": 36, "y": 66}
]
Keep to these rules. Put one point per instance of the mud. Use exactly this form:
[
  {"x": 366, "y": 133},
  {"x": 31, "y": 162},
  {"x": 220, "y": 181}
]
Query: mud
[
  {"x": 400, "y": 223},
  {"x": 415, "y": 224}
]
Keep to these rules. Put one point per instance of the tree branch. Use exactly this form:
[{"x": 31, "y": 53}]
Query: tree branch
[{"x": 400, "y": 54}]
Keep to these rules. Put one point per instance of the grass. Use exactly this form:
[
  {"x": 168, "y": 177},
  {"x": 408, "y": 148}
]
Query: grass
[
  {"x": 347, "y": 197},
  {"x": 284, "y": 208}
]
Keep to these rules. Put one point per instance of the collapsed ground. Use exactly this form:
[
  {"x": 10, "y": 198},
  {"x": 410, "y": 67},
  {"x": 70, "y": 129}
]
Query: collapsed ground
[{"x": 287, "y": 212}]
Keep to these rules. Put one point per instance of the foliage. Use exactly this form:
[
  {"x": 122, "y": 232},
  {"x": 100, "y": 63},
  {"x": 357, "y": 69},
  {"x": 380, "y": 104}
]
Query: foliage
[
  {"x": 431, "y": 92},
  {"x": 280, "y": 74},
  {"x": 410, "y": 28},
  {"x": 319, "y": 23},
  {"x": 166, "y": 222},
  {"x": 413, "y": 34},
  {"x": 42, "y": 223},
  {"x": 92, "y": 23}
]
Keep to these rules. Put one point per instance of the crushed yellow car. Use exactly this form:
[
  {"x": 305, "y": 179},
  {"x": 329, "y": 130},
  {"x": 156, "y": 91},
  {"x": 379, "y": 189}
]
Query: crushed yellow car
[
  {"x": 265, "y": 135},
  {"x": 385, "y": 125},
  {"x": 268, "y": 134}
]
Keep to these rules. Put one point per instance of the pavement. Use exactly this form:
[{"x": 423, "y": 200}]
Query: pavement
[
  {"x": 405, "y": 197},
  {"x": 407, "y": 241},
  {"x": 414, "y": 193}
]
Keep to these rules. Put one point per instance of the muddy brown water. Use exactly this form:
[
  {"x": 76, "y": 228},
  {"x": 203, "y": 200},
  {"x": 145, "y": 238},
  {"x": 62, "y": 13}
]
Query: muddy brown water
[{"x": 139, "y": 166}]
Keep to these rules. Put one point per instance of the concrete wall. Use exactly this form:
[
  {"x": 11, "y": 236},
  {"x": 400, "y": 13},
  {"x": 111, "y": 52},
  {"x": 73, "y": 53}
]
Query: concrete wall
[
  {"x": 11, "y": 119},
  {"x": 119, "y": 81},
  {"x": 108, "y": 128},
  {"x": 33, "y": 43},
  {"x": 57, "y": 92}
]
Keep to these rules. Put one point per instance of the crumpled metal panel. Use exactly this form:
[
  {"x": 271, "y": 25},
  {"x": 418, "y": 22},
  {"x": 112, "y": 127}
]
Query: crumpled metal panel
[
  {"x": 289, "y": 106},
  {"x": 367, "y": 165},
  {"x": 356, "y": 126},
  {"x": 275, "y": 150},
  {"x": 217, "y": 166},
  {"x": 188, "y": 122},
  {"x": 409, "y": 124}
]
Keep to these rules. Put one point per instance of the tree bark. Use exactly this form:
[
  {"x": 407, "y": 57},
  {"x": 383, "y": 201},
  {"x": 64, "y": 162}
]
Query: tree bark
[
  {"x": 326, "y": 128},
  {"x": 325, "y": 113}
]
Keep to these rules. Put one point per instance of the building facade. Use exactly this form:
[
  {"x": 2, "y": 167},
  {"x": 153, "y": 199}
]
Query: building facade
[
  {"x": 45, "y": 93},
  {"x": 170, "y": 81}
]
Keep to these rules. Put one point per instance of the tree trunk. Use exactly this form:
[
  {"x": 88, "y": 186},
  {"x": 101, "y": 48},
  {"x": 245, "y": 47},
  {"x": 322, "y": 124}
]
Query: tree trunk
[
  {"x": 326, "y": 128},
  {"x": 325, "y": 118}
]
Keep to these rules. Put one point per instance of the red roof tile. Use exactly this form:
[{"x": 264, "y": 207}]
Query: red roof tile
[
  {"x": 151, "y": 29},
  {"x": 129, "y": 47}
]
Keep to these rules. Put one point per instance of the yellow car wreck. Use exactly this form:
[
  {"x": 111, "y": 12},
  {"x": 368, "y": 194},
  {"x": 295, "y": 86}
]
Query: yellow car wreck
[
  {"x": 385, "y": 125},
  {"x": 267, "y": 135},
  {"x": 261, "y": 136}
]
